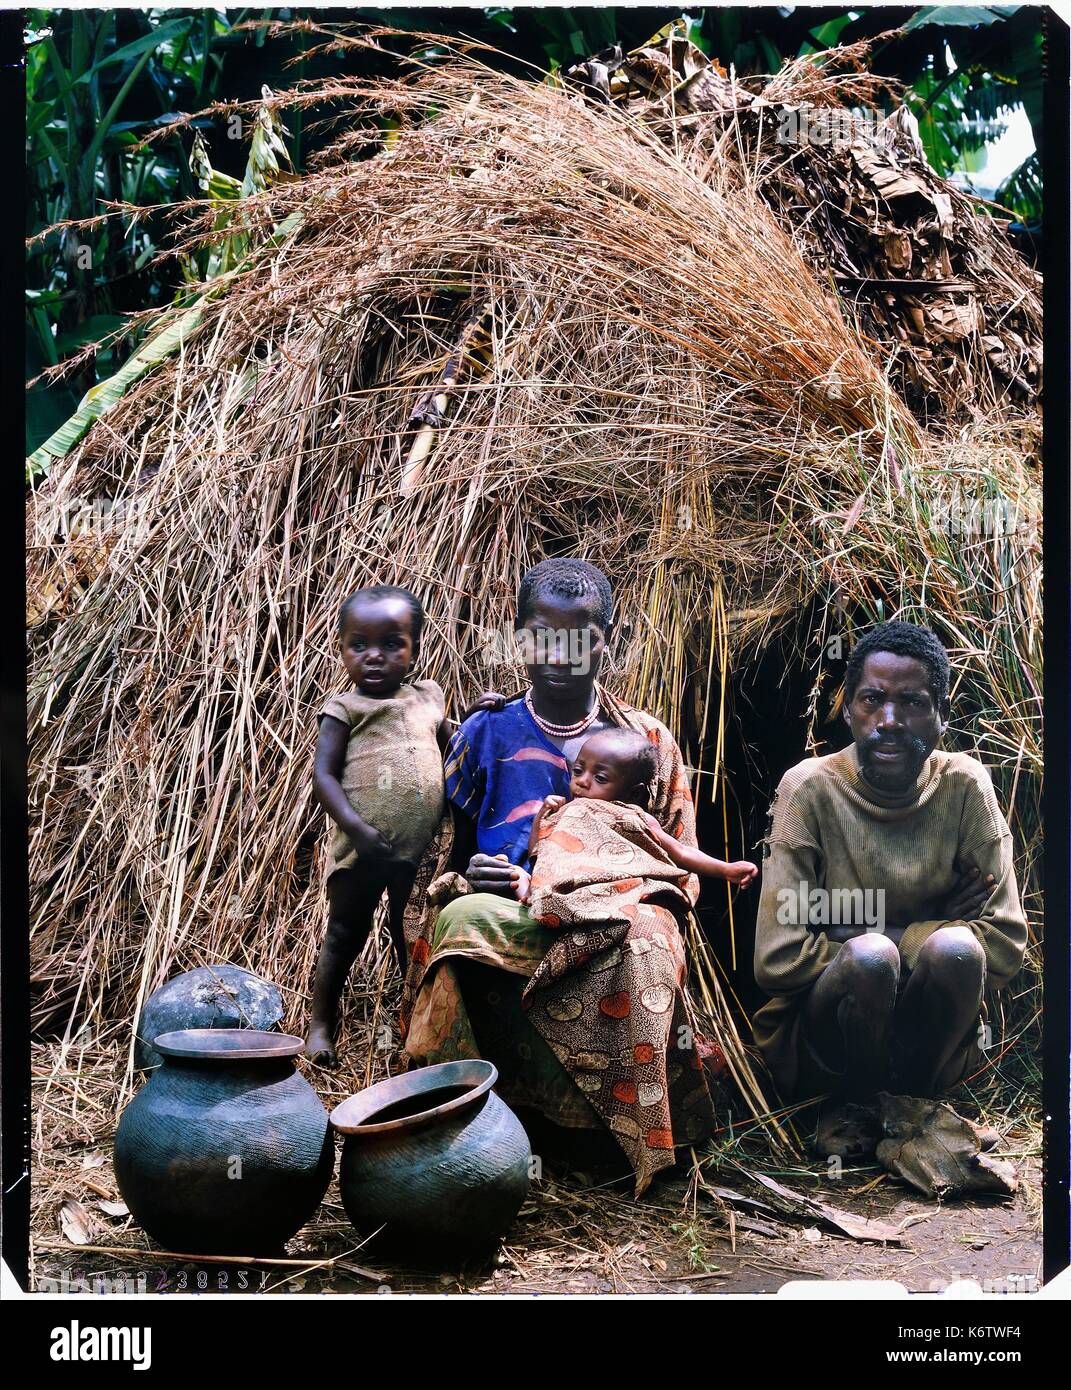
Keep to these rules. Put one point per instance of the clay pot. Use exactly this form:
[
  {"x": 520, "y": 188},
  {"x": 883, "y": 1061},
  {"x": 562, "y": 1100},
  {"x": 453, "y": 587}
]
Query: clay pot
[
  {"x": 226, "y": 1149},
  {"x": 212, "y": 996},
  {"x": 435, "y": 1159}
]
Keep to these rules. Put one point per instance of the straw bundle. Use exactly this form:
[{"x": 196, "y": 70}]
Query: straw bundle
[
  {"x": 940, "y": 293},
  {"x": 527, "y": 328}
]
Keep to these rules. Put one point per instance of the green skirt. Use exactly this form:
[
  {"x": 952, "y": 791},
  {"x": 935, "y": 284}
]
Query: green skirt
[{"x": 484, "y": 950}]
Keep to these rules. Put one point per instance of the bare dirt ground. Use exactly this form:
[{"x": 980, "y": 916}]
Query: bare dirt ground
[{"x": 579, "y": 1232}]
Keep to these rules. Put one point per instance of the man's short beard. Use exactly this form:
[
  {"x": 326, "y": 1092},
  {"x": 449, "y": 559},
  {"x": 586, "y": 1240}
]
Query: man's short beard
[{"x": 891, "y": 781}]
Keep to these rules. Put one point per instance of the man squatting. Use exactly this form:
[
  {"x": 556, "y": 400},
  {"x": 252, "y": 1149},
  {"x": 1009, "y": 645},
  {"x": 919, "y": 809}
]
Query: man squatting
[{"x": 898, "y": 830}]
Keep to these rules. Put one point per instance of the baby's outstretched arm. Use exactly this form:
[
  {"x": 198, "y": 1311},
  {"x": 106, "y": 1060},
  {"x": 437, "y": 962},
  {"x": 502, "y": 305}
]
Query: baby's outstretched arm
[
  {"x": 740, "y": 872},
  {"x": 327, "y": 770}
]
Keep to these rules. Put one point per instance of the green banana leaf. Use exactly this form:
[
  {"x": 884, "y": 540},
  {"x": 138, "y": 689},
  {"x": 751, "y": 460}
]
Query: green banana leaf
[
  {"x": 157, "y": 349},
  {"x": 967, "y": 16},
  {"x": 105, "y": 394}
]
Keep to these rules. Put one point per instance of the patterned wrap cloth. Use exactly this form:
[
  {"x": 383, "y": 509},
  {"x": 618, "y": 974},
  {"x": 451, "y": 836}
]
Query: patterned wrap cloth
[{"x": 592, "y": 1026}]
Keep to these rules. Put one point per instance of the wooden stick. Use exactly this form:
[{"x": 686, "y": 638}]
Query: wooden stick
[{"x": 126, "y": 1253}]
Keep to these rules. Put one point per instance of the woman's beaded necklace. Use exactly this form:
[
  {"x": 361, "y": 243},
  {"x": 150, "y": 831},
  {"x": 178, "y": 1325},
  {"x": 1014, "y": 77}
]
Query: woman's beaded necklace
[{"x": 562, "y": 730}]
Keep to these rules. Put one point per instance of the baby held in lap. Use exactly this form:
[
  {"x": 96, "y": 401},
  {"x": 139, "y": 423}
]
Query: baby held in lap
[{"x": 614, "y": 766}]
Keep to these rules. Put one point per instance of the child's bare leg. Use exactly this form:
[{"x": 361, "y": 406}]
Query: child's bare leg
[
  {"x": 398, "y": 891},
  {"x": 353, "y": 895}
]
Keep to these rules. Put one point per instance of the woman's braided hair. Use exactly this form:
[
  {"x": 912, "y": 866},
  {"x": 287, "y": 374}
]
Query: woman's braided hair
[{"x": 567, "y": 579}]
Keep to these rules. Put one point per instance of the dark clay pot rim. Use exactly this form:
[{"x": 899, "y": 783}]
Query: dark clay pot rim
[
  {"x": 347, "y": 1118},
  {"x": 227, "y": 1044}
]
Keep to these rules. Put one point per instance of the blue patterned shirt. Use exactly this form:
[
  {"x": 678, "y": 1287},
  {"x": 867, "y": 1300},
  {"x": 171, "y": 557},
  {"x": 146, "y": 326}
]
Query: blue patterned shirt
[{"x": 499, "y": 768}]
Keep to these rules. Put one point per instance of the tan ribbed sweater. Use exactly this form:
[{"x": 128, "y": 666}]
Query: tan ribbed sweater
[{"x": 831, "y": 830}]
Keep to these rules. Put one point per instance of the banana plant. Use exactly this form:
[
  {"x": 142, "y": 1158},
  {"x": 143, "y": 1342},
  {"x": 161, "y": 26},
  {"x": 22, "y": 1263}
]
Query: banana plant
[
  {"x": 985, "y": 61},
  {"x": 84, "y": 74},
  {"x": 97, "y": 82},
  {"x": 268, "y": 161},
  {"x": 176, "y": 328}
]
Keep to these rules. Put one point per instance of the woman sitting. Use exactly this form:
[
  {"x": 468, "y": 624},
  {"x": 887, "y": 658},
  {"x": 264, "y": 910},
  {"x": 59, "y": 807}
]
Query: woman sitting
[{"x": 605, "y": 1037}]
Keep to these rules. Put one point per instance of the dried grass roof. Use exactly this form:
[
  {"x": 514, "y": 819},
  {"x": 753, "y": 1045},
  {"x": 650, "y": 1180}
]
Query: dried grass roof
[{"x": 530, "y": 325}]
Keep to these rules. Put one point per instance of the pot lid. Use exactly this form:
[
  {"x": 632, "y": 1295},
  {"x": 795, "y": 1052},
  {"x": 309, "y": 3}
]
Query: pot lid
[{"x": 227, "y": 1044}]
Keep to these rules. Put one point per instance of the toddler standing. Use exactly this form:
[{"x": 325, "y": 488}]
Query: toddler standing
[{"x": 379, "y": 776}]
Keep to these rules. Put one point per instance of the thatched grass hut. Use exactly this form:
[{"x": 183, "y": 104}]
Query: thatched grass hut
[{"x": 530, "y": 324}]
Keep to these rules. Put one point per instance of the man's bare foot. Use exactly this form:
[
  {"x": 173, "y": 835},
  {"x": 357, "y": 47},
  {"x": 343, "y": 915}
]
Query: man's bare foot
[
  {"x": 320, "y": 1048},
  {"x": 847, "y": 1131}
]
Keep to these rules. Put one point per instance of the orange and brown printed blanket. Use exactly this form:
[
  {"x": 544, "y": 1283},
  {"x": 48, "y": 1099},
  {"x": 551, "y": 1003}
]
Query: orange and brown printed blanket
[
  {"x": 595, "y": 862},
  {"x": 608, "y": 995}
]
